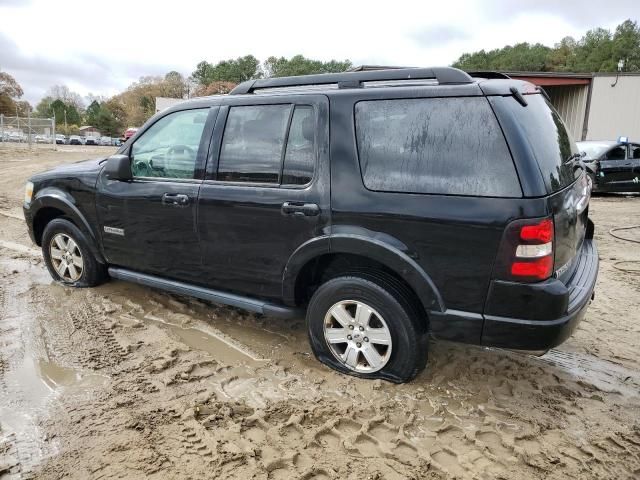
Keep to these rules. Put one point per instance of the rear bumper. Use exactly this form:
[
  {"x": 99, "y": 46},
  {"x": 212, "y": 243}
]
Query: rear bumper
[
  {"x": 534, "y": 317},
  {"x": 542, "y": 334}
]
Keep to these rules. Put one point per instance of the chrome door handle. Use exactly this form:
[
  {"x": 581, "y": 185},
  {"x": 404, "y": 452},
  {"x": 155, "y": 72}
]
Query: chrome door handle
[
  {"x": 300, "y": 209},
  {"x": 175, "y": 199}
]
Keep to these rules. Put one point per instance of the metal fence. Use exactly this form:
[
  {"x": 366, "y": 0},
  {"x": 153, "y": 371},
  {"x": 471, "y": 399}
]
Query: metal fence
[{"x": 27, "y": 130}]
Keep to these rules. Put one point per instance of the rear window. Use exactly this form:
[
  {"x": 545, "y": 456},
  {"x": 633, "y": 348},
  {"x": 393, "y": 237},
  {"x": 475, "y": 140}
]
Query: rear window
[
  {"x": 548, "y": 140},
  {"x": 434, "y": 145}
]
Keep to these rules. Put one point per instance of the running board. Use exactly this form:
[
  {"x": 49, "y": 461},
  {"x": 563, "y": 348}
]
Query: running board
[{"x": 216, "y": 296}]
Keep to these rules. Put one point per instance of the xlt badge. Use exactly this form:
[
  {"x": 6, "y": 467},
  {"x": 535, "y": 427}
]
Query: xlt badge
[{"x": 114, "y": 231}]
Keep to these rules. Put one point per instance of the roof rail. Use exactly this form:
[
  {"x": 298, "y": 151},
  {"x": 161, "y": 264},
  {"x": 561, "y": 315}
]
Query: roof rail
[
  {"x": 489, "y": 74},
  {"x": 444, "y": 76}
]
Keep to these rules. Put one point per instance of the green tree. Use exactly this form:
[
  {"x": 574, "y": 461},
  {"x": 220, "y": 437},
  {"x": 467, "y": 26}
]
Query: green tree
[
  {"x": 92, "y": 112},
  {"x": 107, "y": 122},
  {"x": 232, "y": 70},
  {"x": 519, "y": 57},
  {"x": 63, "y": 112},
  {"x": 300, "y": 65},
  {"x": 597, "y": 51},
  {"x": 626, "y": 45},
  {"x": 43, "y": 108}
]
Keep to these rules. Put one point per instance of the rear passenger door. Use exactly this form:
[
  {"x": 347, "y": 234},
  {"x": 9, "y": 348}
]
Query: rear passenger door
[{"x": 266, "y": 190}]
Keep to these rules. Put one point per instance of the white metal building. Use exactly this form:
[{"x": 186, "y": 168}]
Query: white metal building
[{"x": 598, "y": 106}]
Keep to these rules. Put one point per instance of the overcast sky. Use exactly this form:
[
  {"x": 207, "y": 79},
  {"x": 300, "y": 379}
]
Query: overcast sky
[{"x": 100, "y": 47}]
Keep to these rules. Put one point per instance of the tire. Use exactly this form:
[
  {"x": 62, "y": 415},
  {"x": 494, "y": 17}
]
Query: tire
[
  {"x": 390, "y": 314},
  {"x": 87, "y": 272}
]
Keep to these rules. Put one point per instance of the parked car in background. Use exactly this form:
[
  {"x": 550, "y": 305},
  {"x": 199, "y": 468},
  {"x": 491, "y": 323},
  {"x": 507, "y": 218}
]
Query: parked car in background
[
  {"x": 76, "y": 140},
  {"x": 92, "y": 140},
  {"x": 116, "y": 142},
  {"x": 105, "y": 141},
  {"x": 614, "y": 166},
  {"x": 60, "y": 139},
  {"x": 387, "y": 210},
  {"x": 16, "y": 137},
  {"x": 129, "y": 132},
  {"x": 42, "y": 139}
]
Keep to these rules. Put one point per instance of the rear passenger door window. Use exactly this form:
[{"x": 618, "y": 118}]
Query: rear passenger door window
[
  {"x": 253, "y": 143},
  {"x": 434, "y": 145},
  {"x": 300, "y": 157},
  {"x": 272, "y": 144}
]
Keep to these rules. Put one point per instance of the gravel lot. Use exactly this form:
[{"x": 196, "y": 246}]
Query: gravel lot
[{"x": 122, "y": 381}]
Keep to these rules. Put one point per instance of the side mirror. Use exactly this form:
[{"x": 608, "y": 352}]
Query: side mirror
[{"x": 118, "y": 167}]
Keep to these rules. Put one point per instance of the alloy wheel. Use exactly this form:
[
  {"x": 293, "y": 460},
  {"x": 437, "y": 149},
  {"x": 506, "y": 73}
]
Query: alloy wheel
[
  {"x": 66, "y": 257},
  {"x": 358, "y": 336}
]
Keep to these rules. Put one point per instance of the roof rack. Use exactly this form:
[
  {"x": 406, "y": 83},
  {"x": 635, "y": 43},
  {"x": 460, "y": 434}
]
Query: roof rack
[
  {"x": 489, "y": 74},
  {"x": 444, "y": 76}
]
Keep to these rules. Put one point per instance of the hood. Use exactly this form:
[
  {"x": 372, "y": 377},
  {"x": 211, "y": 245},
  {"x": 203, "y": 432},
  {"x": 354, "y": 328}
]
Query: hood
[{"x": 82, "y": 167}]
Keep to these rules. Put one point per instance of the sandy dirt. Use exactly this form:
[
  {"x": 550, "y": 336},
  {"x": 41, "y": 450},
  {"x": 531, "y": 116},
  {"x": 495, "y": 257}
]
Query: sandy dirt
[{"x": 122, "y": 381}]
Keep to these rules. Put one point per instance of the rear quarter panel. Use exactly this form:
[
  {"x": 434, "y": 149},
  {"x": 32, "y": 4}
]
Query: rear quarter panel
[{"x": 453, "y": 238}]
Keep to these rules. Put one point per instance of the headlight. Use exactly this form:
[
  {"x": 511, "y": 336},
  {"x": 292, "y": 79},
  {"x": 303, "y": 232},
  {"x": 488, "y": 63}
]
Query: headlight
[{"x": 28, "y": 192}]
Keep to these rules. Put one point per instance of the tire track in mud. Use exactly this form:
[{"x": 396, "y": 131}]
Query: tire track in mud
[
  {"x": 171, "y": 410},
  {"x": 182, "y": 410}
]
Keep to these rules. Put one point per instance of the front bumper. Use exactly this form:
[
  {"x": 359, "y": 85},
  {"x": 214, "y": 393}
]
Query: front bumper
[
  {"x": 28, "y": 217},
  {"x": 543, "y": 334}
]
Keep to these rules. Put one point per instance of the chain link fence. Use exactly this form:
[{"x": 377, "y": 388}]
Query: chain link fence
[{"x": 27, "y": 130}]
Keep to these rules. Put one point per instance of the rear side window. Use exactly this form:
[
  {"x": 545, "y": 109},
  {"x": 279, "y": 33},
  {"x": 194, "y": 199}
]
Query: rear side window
[
  {"x": 253, "y": 142},
  {"x": 548, "y": 139},
  {"x": 300, "y": 159},
  {"x": 434, "y": 145}
]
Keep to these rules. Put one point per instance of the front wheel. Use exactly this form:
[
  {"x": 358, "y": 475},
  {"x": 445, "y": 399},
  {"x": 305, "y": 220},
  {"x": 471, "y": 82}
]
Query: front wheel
[
  {"x": 367, "y": 328},
  {"x": 68, "y": 257}
]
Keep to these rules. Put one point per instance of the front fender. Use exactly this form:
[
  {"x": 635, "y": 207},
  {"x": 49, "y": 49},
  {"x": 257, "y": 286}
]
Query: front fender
[
  {"x": 52, "y": 197},
  {"x": 379, "y": 249}
]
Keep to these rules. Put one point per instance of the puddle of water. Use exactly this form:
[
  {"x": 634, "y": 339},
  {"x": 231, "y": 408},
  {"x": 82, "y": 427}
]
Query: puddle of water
[
  {"x": 604, "y": 375},
  {"x": 219, "y": 347},
  {"x": 56, "y": 376}
]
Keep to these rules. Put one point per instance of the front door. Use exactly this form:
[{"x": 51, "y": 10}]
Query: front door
[
  {"x": 149, "y": 223},
  {"x": 266, "y": 191},
  {"x": 616, "y": 168}
]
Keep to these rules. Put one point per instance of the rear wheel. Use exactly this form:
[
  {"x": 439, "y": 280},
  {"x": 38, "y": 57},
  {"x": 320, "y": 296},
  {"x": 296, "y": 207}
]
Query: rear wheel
[
  {"x": 68, "y": 257},
  {"x": 364, "y": 327}
]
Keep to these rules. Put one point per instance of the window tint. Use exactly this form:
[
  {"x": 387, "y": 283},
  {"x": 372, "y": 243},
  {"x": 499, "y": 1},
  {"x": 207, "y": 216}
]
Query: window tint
[
  {"x": 634, "y": 151},
  {"x": 547, "y": 137},
  {"x": 437, "y": 145},
  {"x": 252, "y": 143},
  {"x": 300, "y": 158},
  {"x": 169, "y": 147},
  {"x": 618, "y": 153}
]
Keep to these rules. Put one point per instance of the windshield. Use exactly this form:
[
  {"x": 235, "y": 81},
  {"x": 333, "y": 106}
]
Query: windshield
[{"x": 593, "y": 150}]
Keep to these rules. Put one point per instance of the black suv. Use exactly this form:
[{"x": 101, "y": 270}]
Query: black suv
[{"x": 390, "y": 205}]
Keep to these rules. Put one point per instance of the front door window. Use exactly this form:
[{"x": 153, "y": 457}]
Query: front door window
[{"x": 169, "y": 148}]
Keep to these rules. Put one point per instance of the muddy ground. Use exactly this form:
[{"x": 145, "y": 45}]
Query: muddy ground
[{"x": 123, "y": 381}]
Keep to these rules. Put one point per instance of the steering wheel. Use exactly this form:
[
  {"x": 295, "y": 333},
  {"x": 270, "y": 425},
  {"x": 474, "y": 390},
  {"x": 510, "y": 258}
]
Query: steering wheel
[{"x": 181, "y": 149}]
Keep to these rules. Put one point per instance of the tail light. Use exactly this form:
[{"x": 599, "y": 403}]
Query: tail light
[{"x": 526, "y": 251}]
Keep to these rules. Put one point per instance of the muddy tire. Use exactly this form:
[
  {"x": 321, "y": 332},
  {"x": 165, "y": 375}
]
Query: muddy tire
[
  {"x": 367, "y": 328},
  {"x": 68, "y": 257}
]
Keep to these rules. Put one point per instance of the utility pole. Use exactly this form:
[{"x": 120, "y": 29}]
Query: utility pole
[{"x": 65, "y": 119}]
